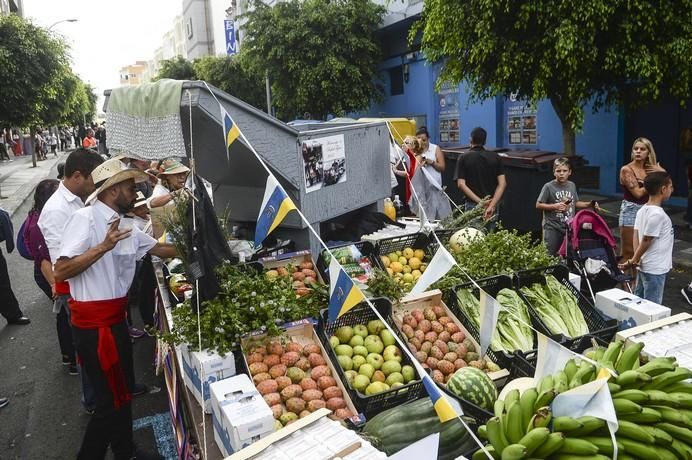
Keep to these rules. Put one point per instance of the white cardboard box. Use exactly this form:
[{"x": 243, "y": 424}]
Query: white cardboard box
[
  {"x": 239, "y": 413},
  {"x": 575, "y": 280},
  {"x": 208, "y": 364},
  {"x": 629, "y": 309}
]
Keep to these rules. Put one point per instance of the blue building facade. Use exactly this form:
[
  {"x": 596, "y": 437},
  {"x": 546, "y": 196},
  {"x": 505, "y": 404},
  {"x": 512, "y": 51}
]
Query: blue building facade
[{"x": 408, "y": 83}]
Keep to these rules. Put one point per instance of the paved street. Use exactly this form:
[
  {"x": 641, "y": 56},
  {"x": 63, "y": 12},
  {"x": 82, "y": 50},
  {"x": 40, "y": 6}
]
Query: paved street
[{"x": 44, "y": 419}]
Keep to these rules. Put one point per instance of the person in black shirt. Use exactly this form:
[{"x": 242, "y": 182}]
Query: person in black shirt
[{"x": 479, "y": 173}]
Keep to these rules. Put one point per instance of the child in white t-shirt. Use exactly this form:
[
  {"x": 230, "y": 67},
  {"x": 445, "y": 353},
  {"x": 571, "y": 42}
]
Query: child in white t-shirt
[{"x": 653, "y": 239}]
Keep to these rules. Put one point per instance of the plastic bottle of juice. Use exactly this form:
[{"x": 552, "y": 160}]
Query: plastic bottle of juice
[{"x": 389, "y": 209}]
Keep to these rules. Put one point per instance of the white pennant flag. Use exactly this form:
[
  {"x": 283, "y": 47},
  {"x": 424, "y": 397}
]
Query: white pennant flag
[
  {"x": 591, "y": 399},
  {"x": 440, "y": 264},
  {"x": 489, "y": 311},
  {"x": 552, "y": 357}
]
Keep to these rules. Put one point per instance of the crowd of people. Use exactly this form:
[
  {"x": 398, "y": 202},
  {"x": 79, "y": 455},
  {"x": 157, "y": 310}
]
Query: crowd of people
[
  {"x": 89, "y": 235},
  {"x": 52, "y": 141},
  {"x": 646, "y": 231}
]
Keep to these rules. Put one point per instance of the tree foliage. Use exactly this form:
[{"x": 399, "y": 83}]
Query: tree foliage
[
  {"x": 177, "y": 68},
  {"x": 610, "y": 53},
  {"x": 321, "y": 56}
]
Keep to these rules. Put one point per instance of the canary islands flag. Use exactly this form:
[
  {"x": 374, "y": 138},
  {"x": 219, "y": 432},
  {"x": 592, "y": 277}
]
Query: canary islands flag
[
  {"x": 230, "y": 129},
  {"x": 444, "y": 406},
  {"x": 343, "y": 294},
  {"x": 275, "y": 206}
]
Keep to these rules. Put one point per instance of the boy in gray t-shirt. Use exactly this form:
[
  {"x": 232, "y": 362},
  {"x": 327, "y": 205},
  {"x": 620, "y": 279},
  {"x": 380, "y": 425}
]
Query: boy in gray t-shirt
[{"x": 558, "y": 201}]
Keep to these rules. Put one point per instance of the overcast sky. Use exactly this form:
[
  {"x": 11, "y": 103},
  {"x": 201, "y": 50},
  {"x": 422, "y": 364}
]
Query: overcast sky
[{"x": 108, "y": 34}]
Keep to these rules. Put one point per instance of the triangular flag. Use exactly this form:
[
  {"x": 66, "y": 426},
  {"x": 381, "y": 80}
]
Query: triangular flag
[
  {"x": 489, "y": 311},
  {"x": 275, "y": 206},
  {"x": 440, "y": 264},
  {"x": 343, "y": 294},
  {"x": 231, "y": 132},
  {"x": 591, "y": 399},
  {"x": 552, "y": 357},
  {"x": 446, "y": 408}
]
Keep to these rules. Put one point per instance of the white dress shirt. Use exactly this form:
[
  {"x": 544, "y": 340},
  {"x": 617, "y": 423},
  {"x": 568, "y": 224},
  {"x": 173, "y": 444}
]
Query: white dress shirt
[
  {"x": 54, "y": 215},
  {"x": 109, "y": 277}
]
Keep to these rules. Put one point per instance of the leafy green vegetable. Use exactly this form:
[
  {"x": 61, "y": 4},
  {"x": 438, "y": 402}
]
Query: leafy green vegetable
[
  {"x": 381, "y": 284},
  {"x": 557, "y": 307}
]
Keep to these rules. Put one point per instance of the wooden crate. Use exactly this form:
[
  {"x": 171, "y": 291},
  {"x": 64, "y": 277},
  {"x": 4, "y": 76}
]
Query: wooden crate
[{"x": 430, "y": 299}]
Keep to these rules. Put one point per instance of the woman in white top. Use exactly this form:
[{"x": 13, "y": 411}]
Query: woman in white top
[
  {"x": 432, "y": 164},
  {"x": 171, "y": 179}
]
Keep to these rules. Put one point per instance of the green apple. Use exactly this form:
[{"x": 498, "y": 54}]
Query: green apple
[
  {"x": 375, "y": 326},
  {"x": 392, "y": 353},
  {"x": 360, "y": 350},
  {"x": 409, "y": 373},
  {"x": 374, "y": 344},
  {"x": 394, "y": 377},
  {"x": 387, "y": 337},
  {"x": 350, "y": 375},
  {"x": 375, "y": 360},
  {"x": 345, "y": 362},
  {"x": 358, "y": 361},
  {"x": 334, "y": 341},
  {"x": 360, "y": 382},
  {"x": 360, "y": 330},
  {"x": 343, "y": 350},
  {"x": 373, "y": 388},
  {"x": 356, "y": 340},
  {"x": 344, "y": 333},
  {"x": 390, "y": 367},
  {"x": 366, "y": 370},
  {"x": 378, "y": 376}
]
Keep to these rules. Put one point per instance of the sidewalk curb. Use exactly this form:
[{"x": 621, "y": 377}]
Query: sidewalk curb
[{"x": 14, "y": 203}]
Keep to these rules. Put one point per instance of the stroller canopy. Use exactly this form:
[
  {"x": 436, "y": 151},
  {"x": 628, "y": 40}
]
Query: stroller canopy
[{"x": 598, "y": 227}]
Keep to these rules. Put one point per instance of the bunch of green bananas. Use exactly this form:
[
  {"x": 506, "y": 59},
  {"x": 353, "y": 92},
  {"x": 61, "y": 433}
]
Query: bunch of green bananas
[{"x": 653, "y": 403}]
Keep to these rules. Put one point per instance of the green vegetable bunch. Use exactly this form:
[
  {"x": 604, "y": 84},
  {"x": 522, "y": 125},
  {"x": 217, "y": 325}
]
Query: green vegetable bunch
[
  {"x": 471, "y": 218},
  {"x": 248, "y": 301},
  {"x": 557, "y": 307},
  {"x": 381, "y": 284}
]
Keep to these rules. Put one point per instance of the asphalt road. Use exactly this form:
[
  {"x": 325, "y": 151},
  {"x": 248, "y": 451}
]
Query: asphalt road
[{"x": 44, "y": 419}]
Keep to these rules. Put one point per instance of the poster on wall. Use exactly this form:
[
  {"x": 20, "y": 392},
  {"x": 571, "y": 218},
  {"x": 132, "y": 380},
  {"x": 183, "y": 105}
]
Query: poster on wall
[
  {"x": 521, "y": 121},
  {"x": 324, "y": 162},
  {"x": 448, "y": 111}
]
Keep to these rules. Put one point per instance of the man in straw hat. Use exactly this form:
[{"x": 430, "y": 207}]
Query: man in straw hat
[
  {"x": 98, "y": 257},
  {"x": 171, "y": 179}
]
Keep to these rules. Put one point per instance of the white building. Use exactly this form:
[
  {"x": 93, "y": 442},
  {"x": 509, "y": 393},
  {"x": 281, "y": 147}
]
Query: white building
[
  {"x": 172, "y": 44},
  {"x": 12, "y": 6},
  {"x": 205, "y": 27}
]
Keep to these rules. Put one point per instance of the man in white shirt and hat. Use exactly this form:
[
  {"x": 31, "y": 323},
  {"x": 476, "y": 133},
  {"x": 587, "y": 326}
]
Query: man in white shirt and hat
[{"x": 98, "y": 259}]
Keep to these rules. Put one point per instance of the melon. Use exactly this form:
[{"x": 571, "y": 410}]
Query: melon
[
  {"x": 474, "y": 385},
  {"x": 463, "y": 237}
]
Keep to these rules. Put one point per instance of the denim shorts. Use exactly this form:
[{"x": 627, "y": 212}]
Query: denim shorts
[{"x": 628, "y": 212}]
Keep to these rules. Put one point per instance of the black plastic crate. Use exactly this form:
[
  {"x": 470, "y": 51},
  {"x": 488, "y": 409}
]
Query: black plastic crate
[
  {"x": 373, "y": 404},
  {"x": 492, "y": 286},
  {"x": 398, "y": 243},
  {"x": 443, "y": 235},
  {"x": 366, "y": 248},
  {"x": 599, "y": 326}
]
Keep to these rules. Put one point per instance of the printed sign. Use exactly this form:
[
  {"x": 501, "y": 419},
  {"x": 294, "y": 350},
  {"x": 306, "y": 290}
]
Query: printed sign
[
  {"x": 231, "y": 45},
  {"x": 324, "y": 162},
  {"x": 520, "y": 119}
]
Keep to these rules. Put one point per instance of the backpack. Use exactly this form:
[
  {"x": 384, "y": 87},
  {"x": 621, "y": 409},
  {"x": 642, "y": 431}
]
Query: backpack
[{"x": 21, "y": 244}]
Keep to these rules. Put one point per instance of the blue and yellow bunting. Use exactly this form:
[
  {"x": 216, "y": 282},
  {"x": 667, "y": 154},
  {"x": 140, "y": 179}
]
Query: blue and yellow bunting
[
  {"x": 275, "y": 206},
  {"x": 230, "y": 129},
  {"x": 445, "y": 408},
  {"x": 343, "y": 294}
]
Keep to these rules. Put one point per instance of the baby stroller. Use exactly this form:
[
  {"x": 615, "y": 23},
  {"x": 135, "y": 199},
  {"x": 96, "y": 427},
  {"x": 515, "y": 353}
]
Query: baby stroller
[{"x": 589, "y": 249}]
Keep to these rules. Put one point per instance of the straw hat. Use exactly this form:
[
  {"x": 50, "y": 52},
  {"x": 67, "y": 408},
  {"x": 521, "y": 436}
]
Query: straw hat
[
  {"x": 110, "y": 173},
  {"x": 140, "y": 200},
  {"x": 172, "y": 166}
]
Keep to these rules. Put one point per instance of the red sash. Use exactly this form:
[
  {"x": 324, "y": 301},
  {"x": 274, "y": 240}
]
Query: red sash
[
  {"x": 101, "y": 315},
  {"x": 62, "y": 288}
]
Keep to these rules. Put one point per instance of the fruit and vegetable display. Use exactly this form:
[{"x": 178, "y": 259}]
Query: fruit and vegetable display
[
  {"x": 652, "y": 400},
  {"x": 303, "y": 276},
  {"x": 249, "y": 300},
  {"x": 405, "y": 266},
  {"x": 396, "y": 428},
  {"x": 354, "y": 263},
  {"x": 439, "y": 343},
  {"x": 370, "y": 358},
  {"x": 513, "y": 330},
  {"x": 179, "y": 285},
  {"x": 295, "y": 380},
  {"x": 471, "y": 218},
  {"x": 557, "y": 307}
]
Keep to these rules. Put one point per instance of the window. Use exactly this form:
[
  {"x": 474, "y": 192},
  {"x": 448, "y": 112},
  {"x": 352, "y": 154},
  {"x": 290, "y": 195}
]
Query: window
[
  {"x": 396, "y": 80},
  {"x": 188, "y": 28}
]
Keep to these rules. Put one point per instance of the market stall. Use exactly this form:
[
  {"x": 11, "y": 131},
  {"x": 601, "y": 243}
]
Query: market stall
[{"x": 477, "y": 338}]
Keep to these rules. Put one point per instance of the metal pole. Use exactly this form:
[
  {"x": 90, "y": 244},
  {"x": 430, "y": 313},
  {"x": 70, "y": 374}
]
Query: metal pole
[{"x": 269, "y": 93}]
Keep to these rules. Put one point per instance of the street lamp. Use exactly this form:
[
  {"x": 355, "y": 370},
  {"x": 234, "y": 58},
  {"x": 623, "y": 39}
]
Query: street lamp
[{"x": 61, "y": 21}]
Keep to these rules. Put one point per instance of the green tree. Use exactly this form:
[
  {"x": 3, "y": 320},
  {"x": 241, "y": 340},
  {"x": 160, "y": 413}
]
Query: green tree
[
  {"x": 31, "y": 62},
  {"x": 611, "y": 53},
  {"x": 321, "y": 56},
  {"x": 233, "y": 75},
  {"x": 177, "y": 68}
]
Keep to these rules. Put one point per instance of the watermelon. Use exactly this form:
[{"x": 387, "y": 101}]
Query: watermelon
[{"x": 474, "y": 385}]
